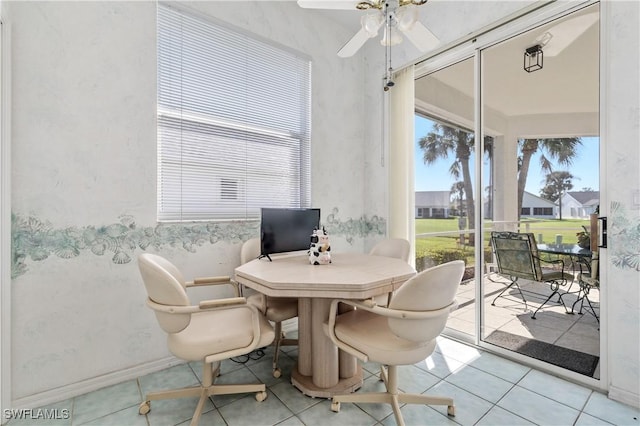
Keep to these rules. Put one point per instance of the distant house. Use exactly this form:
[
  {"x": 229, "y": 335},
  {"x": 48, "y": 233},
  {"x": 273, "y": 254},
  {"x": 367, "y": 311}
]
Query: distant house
[
  {"x": 433, "y": 204},
  {"x": 579, "y": 204},
  {"x": 532, "y": 207},
  {"x": 536, "y": 207}
]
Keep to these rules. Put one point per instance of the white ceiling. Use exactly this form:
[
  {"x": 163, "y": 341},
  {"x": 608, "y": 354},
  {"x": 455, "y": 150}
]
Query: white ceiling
[{"x": 568, "y": 82}]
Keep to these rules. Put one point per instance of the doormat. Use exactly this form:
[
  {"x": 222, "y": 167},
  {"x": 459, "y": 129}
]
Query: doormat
[{"x": 569, "y": 359}]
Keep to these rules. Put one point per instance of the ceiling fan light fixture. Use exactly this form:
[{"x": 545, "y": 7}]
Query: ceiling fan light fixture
[
  {"x": 371, "y": 23},
  {"x": 400, "y": 16},
  {"x": 391, "y": 37},
  {"x": 406, "y": 17}
]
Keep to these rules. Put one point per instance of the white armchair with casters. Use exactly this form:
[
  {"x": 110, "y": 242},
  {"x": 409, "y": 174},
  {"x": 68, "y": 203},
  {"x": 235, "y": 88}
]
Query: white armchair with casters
[
  {"x": 402, "y": 334},
  {"x": 211, "y": 331}
]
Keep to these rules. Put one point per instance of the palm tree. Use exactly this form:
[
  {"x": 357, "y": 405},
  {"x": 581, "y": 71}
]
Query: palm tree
[
  {"x": 556, "y": 183},
  {"x": 457, "y": 189},
  {"x": 442, "y": 142},
  {"x": 562, "y": 150}
]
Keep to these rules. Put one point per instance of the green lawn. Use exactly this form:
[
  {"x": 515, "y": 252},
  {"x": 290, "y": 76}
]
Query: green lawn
[
  {"x": 548, "y": 228},
  {"x": 439, "y": 249}
]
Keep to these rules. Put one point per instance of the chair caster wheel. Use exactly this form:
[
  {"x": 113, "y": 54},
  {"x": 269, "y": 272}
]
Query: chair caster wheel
[
  {"x": 261, "y": 396},
  {"x": 335, "y": 406},
  {"x": 144, "y": 408},
  {"x": 277, "y": 373},
  {"x": 451, "y": 411}
]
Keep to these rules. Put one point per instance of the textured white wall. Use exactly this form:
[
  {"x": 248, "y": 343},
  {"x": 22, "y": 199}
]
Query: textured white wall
[
  {"x": 83, "y": 154},
  {"x": 84, "y": 168}
]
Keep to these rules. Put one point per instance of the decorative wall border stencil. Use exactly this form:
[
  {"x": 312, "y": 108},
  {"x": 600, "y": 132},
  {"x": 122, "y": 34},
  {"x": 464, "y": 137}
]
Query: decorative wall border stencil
[
  {"x": 36, "y": 239},
  {"x": 352, "y": 228},
  {"x": 624, "y": 238}
]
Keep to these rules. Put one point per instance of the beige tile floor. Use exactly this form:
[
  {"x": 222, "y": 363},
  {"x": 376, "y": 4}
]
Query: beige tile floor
[{"x": 487, "y": 390}]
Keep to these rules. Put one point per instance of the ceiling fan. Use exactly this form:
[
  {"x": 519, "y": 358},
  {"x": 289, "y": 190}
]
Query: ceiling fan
[{"x": 398, "y": 16}]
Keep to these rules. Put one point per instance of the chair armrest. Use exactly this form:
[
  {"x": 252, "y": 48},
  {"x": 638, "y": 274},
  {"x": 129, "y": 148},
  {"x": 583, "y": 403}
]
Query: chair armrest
[
  {"x": 205, "y": 305},
  {"x": 370, "y": 305},
  {"x": 553, "y": 262},
  {"x": 222, "y": 279},
  {"x": 219, "y": 303},
  {"x": 219, "y": 280}
]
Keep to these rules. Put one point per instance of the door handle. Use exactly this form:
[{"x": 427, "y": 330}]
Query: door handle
[{"x": 603, "y": 243}]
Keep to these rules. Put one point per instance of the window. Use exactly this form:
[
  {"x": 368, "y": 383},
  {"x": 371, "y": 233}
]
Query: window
[
  {"x": 542, "y": 211},
  {"x": 525, "y": 211},
  {"x": 233, "y": 122},
  {"x": 437, "y": 212}
]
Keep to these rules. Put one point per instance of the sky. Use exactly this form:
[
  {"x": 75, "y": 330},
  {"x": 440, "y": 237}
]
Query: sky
[{"x": 436, "y": 177}]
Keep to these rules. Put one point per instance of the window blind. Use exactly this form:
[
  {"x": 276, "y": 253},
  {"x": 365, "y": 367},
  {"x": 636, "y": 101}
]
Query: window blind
[{"x": 233, "y": 122}]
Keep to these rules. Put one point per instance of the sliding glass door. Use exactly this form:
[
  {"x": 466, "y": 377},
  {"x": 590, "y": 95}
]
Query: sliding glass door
[
  {"x": 445, "y": 161},
  {"x": 540, "y": 101},
  {"x": 536, "y": 110}
]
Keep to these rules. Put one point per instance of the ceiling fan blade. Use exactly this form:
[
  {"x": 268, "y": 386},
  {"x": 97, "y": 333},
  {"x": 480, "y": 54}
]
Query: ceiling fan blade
[
  {"x": 421, "y": 37},
  {"x": 353, "y": 45},
  {"x": 328, "y": 4}
]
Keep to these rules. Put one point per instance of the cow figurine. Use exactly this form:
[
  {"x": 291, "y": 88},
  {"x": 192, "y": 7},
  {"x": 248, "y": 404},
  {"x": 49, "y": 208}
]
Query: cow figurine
[{"x": 319, "y": 251}]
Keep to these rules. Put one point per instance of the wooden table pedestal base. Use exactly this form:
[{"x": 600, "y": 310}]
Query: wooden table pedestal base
[{"x": 344, "y": 386}]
